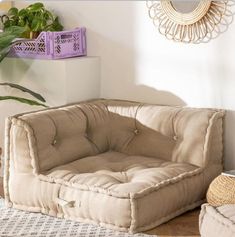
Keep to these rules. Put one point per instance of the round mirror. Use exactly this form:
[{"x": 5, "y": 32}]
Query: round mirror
[
  {"x": 185, "y": 6},
  {"x": 188, "y": 20},
  {"x": 170, "y": 8}
]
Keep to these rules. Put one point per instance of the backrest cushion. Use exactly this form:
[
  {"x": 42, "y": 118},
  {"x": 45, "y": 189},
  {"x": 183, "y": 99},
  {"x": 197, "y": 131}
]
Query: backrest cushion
[
  {"x": 66, "y": 134},
  {"x": 178, "y": 134},
  {"x": 69, "y": 133}
]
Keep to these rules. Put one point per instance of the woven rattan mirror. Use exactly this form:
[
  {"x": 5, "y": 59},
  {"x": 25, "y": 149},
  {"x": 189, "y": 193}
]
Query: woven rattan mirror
[{"x": 187, "y": 21}]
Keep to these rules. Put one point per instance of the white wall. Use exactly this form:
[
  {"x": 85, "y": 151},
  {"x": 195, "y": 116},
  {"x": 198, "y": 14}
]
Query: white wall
[{"x": 140, "y": 64}]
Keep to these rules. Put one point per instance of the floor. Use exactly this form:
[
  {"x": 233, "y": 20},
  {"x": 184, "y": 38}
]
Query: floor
[{"x": 183, "y": 226}]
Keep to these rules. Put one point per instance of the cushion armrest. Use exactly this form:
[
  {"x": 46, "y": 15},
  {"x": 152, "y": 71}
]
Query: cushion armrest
[
  {"x": 39, "y": 141},
  {"x": 20, "y": 152}
]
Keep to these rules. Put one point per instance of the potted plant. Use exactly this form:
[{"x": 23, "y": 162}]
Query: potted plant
[
  {"x": 25, "y": 23},
  {"x": 43, "y": 36},
  {"x": 7, "y": 39},
  {"x": 35, "y": 18}
]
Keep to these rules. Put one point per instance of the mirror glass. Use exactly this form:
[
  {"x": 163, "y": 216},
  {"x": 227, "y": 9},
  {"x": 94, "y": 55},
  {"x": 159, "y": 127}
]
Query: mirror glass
[{"x": 185, "y": 6}]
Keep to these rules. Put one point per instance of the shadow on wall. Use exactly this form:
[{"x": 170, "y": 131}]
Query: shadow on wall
[
  {"x": 16, "y": 76},
  {"x": 222, "y": 82},
  {"x": 148, "y": 94},
  {"x": 229, "y": 131},
  {"x": 121, "y": 84}
]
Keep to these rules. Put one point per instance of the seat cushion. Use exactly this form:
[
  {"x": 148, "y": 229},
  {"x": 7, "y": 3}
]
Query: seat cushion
[
  {"x": 144, "y": 191},
  {"x": 217, "y": 221},
  {"x": 119, "y": 174}
]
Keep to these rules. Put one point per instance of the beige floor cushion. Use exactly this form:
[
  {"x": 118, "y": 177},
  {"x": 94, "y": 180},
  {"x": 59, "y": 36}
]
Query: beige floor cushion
[
  {"x": 124, "y": 165},
  {"x": 217, "y": 221},
  {"x": 132, "y": 183}
]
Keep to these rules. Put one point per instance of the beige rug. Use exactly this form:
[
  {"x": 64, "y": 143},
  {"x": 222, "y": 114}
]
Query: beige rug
[{"x": 14, "y": 223}]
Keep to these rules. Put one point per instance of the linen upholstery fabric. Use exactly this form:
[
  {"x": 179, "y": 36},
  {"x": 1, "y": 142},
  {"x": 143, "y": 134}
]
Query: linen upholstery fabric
[
  {"x": 150, "y": 162},
  {"x": 217, "y": 221}
]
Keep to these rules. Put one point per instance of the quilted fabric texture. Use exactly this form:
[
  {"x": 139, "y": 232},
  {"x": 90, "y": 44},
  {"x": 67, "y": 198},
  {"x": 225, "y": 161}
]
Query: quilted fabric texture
[
  {"x": 123, "y": 165},
  {"x": 121, "y": 174},
  {"x": 217, "y": 221}
]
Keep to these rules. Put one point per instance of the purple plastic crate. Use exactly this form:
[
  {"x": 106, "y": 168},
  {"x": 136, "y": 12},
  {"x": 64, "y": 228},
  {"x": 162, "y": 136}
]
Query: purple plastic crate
[{"x": 52, "y": 45}]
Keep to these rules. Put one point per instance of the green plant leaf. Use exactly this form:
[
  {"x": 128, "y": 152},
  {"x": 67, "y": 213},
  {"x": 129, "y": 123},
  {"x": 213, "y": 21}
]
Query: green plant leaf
[
  {"x": 35, "y": 7},
  {"x": 50, "y": 15},
  {"x": 4, "y": 18},
  {"x": 23, "y": 12},
  {"x": 3, "y": 53},
  {"x": 22, "y": 100},
  {"x": 35, "y": 25},
  {"x": 6, "y": 41},
  {"x": 24, "y": 89},
  {"x": 21, "y": 22},
  {"x": 8, "y": 23},
  {"x": 7, "y": 37},
  {"x": 55, "y": 26},
  {"x": 35, "y": 18},
  {"x": 13, "y": 30},
  {"x": 13, "y": 11}
]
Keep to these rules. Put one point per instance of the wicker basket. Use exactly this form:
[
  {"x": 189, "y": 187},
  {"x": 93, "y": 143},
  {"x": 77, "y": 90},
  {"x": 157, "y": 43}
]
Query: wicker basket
[{"x": 221, "y": 191}]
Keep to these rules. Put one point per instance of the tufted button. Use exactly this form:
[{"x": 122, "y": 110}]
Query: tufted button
[
  {"x": 54, "y": 142},
  {"x": 175, "y": 137},
  {"x": 136, "y": 131}
]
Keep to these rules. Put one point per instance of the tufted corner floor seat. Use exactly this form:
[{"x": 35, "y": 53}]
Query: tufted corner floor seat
[{"x": 123, "y": 165}]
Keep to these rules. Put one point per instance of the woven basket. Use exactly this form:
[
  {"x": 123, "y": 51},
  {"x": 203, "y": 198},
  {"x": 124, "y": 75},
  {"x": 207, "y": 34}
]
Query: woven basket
[{"x": 221, "y": 191}]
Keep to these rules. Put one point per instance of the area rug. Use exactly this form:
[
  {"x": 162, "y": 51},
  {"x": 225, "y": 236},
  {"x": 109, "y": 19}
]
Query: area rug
[{"x": 14, "y": 223}]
